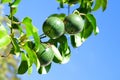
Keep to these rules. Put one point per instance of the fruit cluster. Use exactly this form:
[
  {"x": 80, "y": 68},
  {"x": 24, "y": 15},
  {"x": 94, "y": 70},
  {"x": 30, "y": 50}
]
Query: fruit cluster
[{"x": 54, "y": 27}]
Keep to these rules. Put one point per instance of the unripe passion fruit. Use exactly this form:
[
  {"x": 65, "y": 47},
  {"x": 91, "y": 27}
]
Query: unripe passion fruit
[
  {"x": 53, "y": 27},
  {"x": 45, "y": 55},
  {"x": 73, "y": 24}
]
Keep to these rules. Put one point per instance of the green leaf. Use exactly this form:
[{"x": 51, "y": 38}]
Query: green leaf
[
  {"x": 31, "y": 54},
  {"x": 76, "y": 40},
  {"x": 30, "y": 70},
  {"x": 62, "y": 54},
  {"x": 29, "y": 66},
  {"x": 5, "y": 39},
  {"x": 31, "y": 44},
  {"x": 15, "y": 3},
  {"x": 32, "y": 31},
  {"x": 28, "y": 24},
  {"x": 36, "y": 38},
  {"x": 5, "y": 1},
  {"x": 57, "y": 55},
  {"x": 15, "y": 19},
  {"x": 66, "y": 56},
  {"x": 104, "y": 4},
  {"x": 92, "y": 20},
  {"x": 87, "y": 31},
  {"x": 44, "y": 69},
  {"x": 64, "y": 49},
  {"x": 61, "y": 2},
  {"x": 97, "y": 5},
  {"x": 14, "y": 10},
  {"x": 15, "y": 45},
  {"x": 23, "y": 65}
]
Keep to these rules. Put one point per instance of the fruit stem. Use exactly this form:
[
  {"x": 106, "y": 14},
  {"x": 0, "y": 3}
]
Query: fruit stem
[{"x": 42, "y": 36}]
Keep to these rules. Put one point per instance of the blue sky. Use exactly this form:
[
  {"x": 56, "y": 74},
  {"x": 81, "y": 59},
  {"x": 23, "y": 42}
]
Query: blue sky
[{"x": 97, "y": 59}]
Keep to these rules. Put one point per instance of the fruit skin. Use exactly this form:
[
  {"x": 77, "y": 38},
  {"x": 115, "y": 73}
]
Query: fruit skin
[
  {"x": 73, "y": 24},
  {"x": 45, "y": 55},
  {"x": 53, "y": 27}
]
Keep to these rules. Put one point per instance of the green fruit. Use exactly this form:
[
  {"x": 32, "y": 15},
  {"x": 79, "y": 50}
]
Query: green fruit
[
  {"x": 73, "y": 24},
  {"x": 45, "y": 55},
  {"x": 53, "y": 27}
]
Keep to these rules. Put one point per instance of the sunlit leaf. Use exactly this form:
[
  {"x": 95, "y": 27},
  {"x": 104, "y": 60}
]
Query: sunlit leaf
[
  {"x": 92, "y": 20},
  {"x": 57, "y": 56},
  {"x": 4, "y": 41},
  {"x": 29, "y": 70},
  {"x": 36, "y": 37},
  {"x": 29, "y": 67},
  {"x": 44, "y": 70},
  {"x": 23, "y": 65},
  {"x": 64, "y": 49},
  {"x": 97, "y": 5},
  {"x": 76, "y": 40},
  {"x": 63, "y": 53},
  {"x": 5, "y": 1},
  {"x": 28, "y": 25},
  {"x": 32, "y": 31},
  {"x": 104, "y": 4},
  {"x": 3, "y": 31},
  {"x": 4, "y": 37},
  {"x": 66, "y": 56}
]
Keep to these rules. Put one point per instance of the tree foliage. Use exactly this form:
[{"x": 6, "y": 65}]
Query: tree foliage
[
  {"x": 28, "y": 44},
  {"x": 8, "y": 63}
]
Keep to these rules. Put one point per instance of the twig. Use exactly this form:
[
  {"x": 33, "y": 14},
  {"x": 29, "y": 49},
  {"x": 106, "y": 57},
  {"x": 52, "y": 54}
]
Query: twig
[{"x": 43, "y": 37}]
